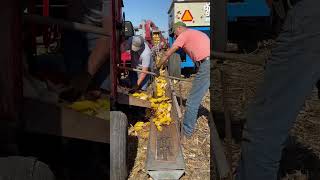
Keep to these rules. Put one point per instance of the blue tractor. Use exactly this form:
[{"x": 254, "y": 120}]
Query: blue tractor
[{"x": 247, "y": 21}]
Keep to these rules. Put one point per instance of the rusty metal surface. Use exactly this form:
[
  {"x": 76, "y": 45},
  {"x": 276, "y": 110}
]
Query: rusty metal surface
[{"x": 164, "y": 149}]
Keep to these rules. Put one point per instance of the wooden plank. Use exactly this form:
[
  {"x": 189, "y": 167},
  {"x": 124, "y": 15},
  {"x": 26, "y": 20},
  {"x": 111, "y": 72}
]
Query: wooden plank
[
  {"x": 133, "y": 101},
  {"x": 217, "y": 151},
  {"x": 228, "y": 133},
  {"x": 10, "y": 60},
  {"x": 41, "y": 117}
]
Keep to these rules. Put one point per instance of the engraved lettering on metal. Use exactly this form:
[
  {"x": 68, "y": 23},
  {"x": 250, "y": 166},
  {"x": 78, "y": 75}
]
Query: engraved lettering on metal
[{"x": 164, "y": 148}]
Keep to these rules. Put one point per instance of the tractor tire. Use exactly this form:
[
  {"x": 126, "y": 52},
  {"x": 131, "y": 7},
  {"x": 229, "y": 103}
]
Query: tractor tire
[
  {"x": 118, "y": 146},
  {"x": 174, "y": 65},
  {"x": 24, "y": 168}
]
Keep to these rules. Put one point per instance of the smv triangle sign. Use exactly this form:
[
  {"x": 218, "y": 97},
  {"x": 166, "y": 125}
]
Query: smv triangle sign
[{"x": 187, "y": 16}]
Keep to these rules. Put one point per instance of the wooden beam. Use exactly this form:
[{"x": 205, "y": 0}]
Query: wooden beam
[
  {"x": 10, "y": 60},
  {"x": 65, "y": 24},
  {"x": 41, "y": 117},
  {"x": 10, "y": 74},
  {"x": 244, "y": 58},
  {"x": 217, "y": 152}
]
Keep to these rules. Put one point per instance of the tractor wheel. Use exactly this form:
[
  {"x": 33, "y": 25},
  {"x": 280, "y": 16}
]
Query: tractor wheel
[{"x": 118, "y": 145}]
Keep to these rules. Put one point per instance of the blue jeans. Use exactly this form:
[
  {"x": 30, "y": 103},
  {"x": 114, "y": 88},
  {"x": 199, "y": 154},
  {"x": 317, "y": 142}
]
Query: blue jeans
[
  {"x": 200, "y": 86},
  {"x": 291, "y": 72},
  {"x": 133, "y": 76}
]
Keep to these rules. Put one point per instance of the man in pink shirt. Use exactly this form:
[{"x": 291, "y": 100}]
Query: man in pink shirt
[{"x": 197, "y": 45}]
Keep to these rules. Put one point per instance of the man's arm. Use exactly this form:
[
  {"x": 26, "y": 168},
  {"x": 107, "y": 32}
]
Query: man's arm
[
  {"x": 146, "y": 60},
  {"x": 101, "y": 52},
  {"x": 167, "y": 54},
  {"x": 142, "y": 76}
]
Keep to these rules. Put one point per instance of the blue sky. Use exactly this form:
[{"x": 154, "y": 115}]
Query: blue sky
[{"x": 155, "y": 10}]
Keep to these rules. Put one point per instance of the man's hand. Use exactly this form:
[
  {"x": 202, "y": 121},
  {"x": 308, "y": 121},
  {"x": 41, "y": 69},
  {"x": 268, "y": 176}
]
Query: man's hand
[
  {"x": 166, "y": 56},
  {"x": 162, "y": 62}
]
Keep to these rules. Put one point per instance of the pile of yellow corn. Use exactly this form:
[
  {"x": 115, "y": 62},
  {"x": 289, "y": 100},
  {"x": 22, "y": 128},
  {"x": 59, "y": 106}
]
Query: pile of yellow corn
[
  {"x": 161, "y": 107},
  {"x": 156, "y": 38},
  {"x": 140, "y": 129},
  {"x": 92, "y": 108}
]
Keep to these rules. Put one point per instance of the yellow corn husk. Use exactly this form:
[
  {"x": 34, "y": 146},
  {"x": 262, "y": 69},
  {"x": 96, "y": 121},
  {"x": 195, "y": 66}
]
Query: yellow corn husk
[
  {"x": 142, "y": 96},
  {"x": 159, "y": 128},
  {"x": 104, "y": 103},
  {"x": 84, "y": 105},
  {"x": 97, "y": 108},
  {"x": 138, "y": 126},
  {"x": 140, "y": 129}
]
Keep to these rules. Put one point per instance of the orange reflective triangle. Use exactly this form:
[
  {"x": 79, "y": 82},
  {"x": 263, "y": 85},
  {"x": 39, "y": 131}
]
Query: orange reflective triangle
[{"x": 187, "y": 16}]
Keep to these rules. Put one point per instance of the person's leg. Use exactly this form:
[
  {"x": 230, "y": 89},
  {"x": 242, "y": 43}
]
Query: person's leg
[
  {"x": 290, "y": 74},
  {"x": 200, "y": 86}
]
